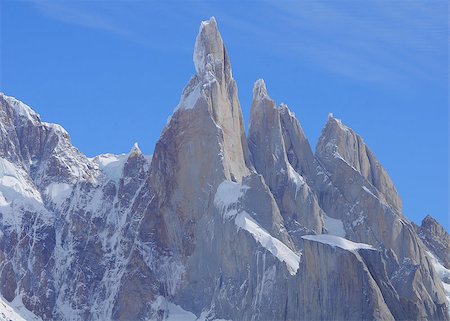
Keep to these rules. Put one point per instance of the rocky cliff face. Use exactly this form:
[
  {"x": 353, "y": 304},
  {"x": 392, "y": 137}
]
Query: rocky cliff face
[{"x": 215, "y": 225}]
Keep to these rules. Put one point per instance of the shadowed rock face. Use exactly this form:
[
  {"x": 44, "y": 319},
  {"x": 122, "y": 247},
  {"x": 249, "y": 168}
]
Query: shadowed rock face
[{"x": 210, "y": 227}]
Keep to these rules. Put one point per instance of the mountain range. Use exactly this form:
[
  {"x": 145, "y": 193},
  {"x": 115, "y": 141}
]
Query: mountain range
[{"x": 218, "y": 224}]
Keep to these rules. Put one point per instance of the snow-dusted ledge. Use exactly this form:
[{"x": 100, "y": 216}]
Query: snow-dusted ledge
[
  {"x": 278, "y": 249},
  {"x": 227, "y": 197},
  {"x": 337, "y": 241}
]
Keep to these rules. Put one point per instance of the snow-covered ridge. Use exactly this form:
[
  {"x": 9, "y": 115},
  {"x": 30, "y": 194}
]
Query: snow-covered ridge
[
  {"x": 21, "y": 109},
  {"x": 25, "y": 112},
  {"x": 337, "y": 241},
  {"x": 111, "y": 165}
]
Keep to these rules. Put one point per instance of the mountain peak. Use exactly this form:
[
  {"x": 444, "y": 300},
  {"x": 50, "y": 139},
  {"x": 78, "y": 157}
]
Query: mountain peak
[
  {"x": 211, "y": 219},
  {"x": 135, "y": 150},
  {"x": 340, "y": 143},
  {"x": 209, "y": 49},
  {"x": 260, "y": 90},
  {"x": 428, "y": 218},
  {"x": 21, "y": 109},
  {"x": 336, "y": 123}
]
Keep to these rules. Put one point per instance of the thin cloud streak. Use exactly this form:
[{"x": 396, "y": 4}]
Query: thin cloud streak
[
  {"x": 64, "y": 12},
  {"x": 375, "y": 37},
  {"x": 375, "y": 41},
  {"x": 99, "y": 15}
]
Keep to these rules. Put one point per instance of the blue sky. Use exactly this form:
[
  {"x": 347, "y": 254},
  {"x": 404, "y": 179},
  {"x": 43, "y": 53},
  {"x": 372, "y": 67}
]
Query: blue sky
[{"x": 111, "y": 72}]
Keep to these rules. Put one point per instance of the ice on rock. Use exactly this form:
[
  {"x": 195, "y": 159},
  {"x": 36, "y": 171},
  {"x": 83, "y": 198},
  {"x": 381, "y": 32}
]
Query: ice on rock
[
  {"x": 190, "y": 97},
  {"x": 208, "y": 42},
  {"x": 334, "y": 226},
  {"x": 259, "y": 90}
]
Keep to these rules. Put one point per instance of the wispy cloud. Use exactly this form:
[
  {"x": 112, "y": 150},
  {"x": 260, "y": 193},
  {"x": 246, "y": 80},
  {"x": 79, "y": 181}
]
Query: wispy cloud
[
  {"x": 385, "y": 41},
  {"x": 376, "y": 41},
  {"x": 73, "y": 13},
  {"x": 114, "y": 17}
]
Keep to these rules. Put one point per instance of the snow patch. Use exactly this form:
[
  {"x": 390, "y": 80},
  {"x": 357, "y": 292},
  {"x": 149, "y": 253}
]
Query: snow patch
[
  {"x": 15, "y": 311},
  {"x": 368, "y": 191},
  {"x": 444, "y": 274},
  {"x": 56, "y": 128},
  {"x": 111, "y": 165},
  {"x": 189, "y": 100},
  {"x": 283, "y": 253},
  {"x": 227, "y": 196},
  {"x": 172, "y": 312},
  {"x": 334, "y": 226},
  {"x": 295, "y": 177},
  {"x": 14, "y": 183},
  {"x": 58, "y": 192},
  {"x": 337, "y": 241},
  {"x": 205, "y": 316}
]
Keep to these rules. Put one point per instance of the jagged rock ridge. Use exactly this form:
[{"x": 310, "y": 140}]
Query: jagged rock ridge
[{"x": 215, "y": 225}]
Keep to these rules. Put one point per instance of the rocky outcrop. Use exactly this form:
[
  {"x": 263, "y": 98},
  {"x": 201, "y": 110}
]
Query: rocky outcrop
[
  {"x": 208, "y": 227},
  {"x": 266, "y": 139},
  {"x": 371, "y": 215},
  {"x": 340, "y": 142},
  {"x": 297, "y": 147},
  {"x": 435, "y": 238},
  {"x": 330, "y": 270}
]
